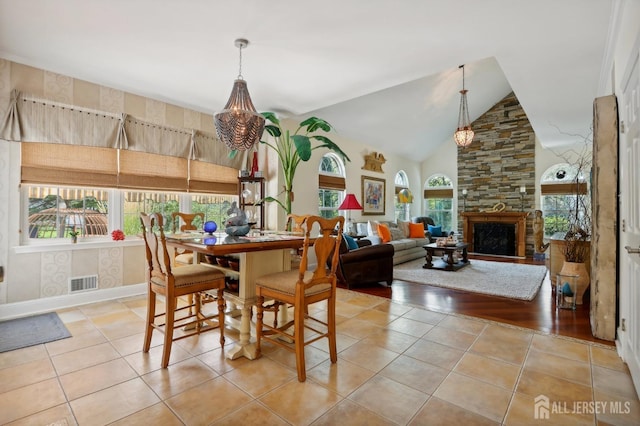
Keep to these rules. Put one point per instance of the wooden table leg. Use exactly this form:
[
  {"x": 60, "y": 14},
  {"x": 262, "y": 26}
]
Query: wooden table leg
[{"x": 429, "y": 259}]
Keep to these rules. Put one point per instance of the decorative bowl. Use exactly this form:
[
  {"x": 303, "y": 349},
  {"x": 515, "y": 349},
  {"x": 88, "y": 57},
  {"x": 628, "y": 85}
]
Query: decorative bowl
[
  {"x": 232, "y": 284},
  {"x": 238, "y": 230}
]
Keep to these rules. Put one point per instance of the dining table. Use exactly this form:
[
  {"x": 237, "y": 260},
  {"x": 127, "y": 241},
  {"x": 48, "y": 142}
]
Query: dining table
[{"x": 257, "y": 254}]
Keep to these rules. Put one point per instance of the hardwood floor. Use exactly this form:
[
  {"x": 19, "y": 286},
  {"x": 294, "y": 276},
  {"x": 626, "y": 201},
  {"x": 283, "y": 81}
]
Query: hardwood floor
[{"x": 538, "y": 314}]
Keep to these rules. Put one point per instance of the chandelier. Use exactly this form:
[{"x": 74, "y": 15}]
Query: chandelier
[
  {"x": 239, "y": 125},
  {"x": 463, "y": 136}
]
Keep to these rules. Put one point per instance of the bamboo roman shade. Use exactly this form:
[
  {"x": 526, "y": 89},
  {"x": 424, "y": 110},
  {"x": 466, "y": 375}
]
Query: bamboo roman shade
[
  {"x": 212, "y": 178},
  {"x": 563, "y": 188},
  {"x": 438, "y": 193},
  {"x": 331, "y": 182},
  {"x": 46, "y": 163},
  {"x": 141, "y": 170}
]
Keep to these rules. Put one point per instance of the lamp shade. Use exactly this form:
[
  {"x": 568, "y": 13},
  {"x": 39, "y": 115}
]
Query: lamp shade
[
  {"x": 463, "y": 136},
  {"x": 405, "y": 196},
  {"x": 350, "y": 203},
  {"x": 238, "y": 125}
]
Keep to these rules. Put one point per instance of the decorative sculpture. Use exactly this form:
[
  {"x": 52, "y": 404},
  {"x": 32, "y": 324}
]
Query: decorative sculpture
[
  {"x": 374, "y": 162},
  {"x": 236, "y": 224},
  {"x": 538, "y": 232}
]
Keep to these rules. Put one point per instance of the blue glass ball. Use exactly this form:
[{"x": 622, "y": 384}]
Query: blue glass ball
[
  {"x": 210, "y": 227},
  {"x": 210, "y": 241}
]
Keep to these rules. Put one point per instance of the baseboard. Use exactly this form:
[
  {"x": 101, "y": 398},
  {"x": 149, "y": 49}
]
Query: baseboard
[{"x": 49, "y": 304}]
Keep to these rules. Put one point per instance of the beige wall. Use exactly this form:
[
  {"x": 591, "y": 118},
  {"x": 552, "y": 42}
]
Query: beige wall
[{"x": 34, "y": 274}]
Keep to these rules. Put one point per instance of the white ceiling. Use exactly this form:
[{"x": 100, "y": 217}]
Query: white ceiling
[{"x": 383, "y": 72}]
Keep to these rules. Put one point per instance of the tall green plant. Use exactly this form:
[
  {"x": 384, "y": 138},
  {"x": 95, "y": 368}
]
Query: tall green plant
[{"x": 292, "y": 148}]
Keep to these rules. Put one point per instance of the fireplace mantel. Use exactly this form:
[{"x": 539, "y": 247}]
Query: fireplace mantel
[{"x": 517, "y": 218}]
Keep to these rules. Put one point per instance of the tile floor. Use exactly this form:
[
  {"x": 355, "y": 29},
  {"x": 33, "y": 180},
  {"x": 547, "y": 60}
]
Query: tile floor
[{"x": 397, "y": 365}]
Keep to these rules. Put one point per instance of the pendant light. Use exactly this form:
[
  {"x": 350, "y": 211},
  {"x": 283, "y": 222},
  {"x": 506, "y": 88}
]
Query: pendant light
[
  {"x": 239, "y": 125},
  {"x": 463, "y": 136}
]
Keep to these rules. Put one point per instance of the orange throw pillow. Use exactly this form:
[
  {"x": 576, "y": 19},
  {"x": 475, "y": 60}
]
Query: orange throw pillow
[
  {"x": 384, "y": 232},
  {"x": 416, "y": 230}
]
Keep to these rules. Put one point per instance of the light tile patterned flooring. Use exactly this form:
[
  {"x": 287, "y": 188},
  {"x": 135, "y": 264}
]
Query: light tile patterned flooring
[{"x": 397, "y": 365}]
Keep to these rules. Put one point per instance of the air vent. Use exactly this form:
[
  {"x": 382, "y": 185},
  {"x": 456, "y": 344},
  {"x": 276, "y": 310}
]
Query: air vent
[{"x": 87, "y": 283}]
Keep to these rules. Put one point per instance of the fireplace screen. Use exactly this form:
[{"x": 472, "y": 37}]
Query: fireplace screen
[{"x": 494, "y": 238}]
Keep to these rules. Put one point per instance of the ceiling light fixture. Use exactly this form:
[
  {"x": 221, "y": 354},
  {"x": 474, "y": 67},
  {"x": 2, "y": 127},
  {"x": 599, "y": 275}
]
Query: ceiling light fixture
[
  {"x": 239, "y": 125},
  {"x": 463, "y": 135}
]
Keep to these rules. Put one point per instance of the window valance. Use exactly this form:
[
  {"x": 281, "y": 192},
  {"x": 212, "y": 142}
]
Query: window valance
[
  {"x": 96, "y": 148},
  {"x": 31, "y": 119}
]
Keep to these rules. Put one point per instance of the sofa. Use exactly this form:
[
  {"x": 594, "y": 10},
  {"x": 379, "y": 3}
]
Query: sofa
[
  {"x": 366, "y": 264},
  {"x": 405, "y": 248}
]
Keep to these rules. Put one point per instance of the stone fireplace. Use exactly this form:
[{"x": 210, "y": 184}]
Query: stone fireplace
[
  {"x": 496, "y": 233},
  {"x": 494, "y": 168}
]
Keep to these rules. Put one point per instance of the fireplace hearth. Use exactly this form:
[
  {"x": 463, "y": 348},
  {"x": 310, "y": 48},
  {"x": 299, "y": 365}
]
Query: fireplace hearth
[{"x": 495, "y": 238}]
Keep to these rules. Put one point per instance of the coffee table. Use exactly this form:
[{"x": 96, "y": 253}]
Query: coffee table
[{"x": 450, "y": 264}]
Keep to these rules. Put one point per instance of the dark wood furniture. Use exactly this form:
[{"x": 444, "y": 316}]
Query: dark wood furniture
[
  {"x": 250, "y": 195},
  {"x": 448, "y": 250}
]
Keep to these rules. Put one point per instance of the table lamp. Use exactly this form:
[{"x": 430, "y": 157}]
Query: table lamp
[
  {"x": 350, "y": 203},
  {"x": 405, "y": 197}
]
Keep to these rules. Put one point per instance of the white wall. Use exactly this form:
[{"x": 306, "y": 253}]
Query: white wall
[{"x": 305, "y": 185}]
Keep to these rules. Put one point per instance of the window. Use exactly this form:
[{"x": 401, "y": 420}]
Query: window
[
  {"x": 401, "y": 209},
  {"x": 438, "y": 200},
  {"x": 148, "y": 202},
  {"x": 331, "y": 185},
  {"x": 564, "y": 194},
  {"x": 56, "y": 211}
]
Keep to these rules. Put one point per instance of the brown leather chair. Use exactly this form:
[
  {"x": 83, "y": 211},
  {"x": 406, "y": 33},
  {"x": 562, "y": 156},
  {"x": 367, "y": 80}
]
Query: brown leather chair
[{"x": 365, "y": 265}]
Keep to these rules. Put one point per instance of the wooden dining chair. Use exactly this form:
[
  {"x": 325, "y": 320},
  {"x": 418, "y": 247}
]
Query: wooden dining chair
[
  {"x": 173, "y": 283},
  {"x": 184, "y": 222},
  {"x": 295, "y": 222},
  {"x": 301, "y": 288}
]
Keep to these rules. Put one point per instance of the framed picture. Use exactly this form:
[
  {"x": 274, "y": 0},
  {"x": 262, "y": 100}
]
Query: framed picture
[{"x": 373, "y": 195}]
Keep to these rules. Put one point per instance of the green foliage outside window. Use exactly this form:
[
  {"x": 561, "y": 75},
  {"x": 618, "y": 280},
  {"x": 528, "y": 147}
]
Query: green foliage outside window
[{"x": 328, "y": 202}]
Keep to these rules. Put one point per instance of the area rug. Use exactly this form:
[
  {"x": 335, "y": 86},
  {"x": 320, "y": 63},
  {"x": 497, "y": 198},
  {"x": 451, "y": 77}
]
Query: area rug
[
  {"x": 512, "y": 280},
  {"x": 34, "y": 330}
]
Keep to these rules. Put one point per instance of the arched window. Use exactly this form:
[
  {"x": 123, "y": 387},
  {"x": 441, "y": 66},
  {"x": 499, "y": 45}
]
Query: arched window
[
  {"x": 331, "y": 185},
  {"x": 438, "y": 200},
  {"x": 565, "y": 196},
  {"x": 401, "y": 209}
]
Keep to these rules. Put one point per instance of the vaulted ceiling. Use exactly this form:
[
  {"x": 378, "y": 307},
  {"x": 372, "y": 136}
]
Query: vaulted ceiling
[{"x": 383, "y": 72}]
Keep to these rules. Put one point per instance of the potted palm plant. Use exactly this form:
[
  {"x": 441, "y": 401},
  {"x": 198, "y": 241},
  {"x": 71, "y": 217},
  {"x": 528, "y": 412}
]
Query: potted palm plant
[{"x": 294, "y": 147}]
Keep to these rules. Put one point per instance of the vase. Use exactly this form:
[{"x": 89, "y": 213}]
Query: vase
[
  {"x": 582, "y": 283},
  {"x": 254, "y": 165}
]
